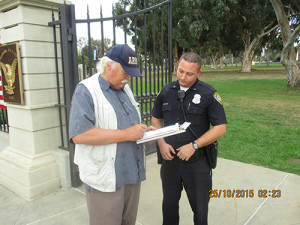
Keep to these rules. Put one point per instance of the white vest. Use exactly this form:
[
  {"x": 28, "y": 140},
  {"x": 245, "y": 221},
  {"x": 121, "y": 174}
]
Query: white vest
[{"x": 96, "y": 162}]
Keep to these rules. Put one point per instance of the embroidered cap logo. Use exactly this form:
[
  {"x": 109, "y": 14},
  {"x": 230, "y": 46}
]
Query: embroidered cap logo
[{"x": 132, "y": 60}]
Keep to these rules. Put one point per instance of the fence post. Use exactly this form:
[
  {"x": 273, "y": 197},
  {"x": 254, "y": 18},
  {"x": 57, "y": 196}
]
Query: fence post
[{"x": 70, "y": 73}]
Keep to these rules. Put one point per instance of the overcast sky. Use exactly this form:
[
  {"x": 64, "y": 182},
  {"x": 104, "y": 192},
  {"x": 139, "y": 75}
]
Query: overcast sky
[
  {"x": 94, "y": 8},
  {"x": 94, "y": 11}
]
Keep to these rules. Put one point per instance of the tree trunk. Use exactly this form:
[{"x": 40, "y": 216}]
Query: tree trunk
[
  {"x": 299, "y": 54},
  {"x": 247, "y": 59},
  {"x": 288, "y": 60},
  {"x": 213, "y": 61},
  {"x": 268, "y": 56},
  {"x": 293, "y": 79},
  {"x": 288, "y": 55},
  {"x": 175, "y": 58},
  {"x": 250, "y": 46},
  {"x": 249, "y": 51},
  {"x": 222, "y": 61}
]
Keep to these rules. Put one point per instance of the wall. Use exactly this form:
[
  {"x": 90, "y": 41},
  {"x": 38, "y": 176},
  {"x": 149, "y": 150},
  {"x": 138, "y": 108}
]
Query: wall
[{"x": 32, "y": 164}]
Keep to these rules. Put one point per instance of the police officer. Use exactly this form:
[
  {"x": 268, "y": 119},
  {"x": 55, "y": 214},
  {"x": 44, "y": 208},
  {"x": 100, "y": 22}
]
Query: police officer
[{"x": 184, "y": 163}]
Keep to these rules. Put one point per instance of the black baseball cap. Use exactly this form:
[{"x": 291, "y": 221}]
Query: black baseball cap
[{"x": 124, "y": 55}]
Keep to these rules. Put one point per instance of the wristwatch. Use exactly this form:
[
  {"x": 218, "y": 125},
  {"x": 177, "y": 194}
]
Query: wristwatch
[{"x": 195, "y": 145}]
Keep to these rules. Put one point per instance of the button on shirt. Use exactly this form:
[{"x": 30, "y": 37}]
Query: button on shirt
[{"x": 129, "y": 164}]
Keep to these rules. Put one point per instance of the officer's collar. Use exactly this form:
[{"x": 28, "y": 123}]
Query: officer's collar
[
  {"x": 193, "y": 87},
  {"x": 177, "y": 86}
]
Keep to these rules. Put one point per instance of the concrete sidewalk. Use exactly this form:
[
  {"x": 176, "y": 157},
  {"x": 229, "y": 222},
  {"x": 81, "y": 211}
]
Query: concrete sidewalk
[{"x": 68, "y": 206}]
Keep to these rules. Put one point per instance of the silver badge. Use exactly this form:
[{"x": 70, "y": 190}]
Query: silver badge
[{"x": 196, "y": 99}]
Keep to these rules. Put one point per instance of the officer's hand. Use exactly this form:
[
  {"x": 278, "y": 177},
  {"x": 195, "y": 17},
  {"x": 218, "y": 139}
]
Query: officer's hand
[
  {"x": 136, "y": 132},
  {"x": 185, "y": 151},
  {"x": 165, "y": 150}
]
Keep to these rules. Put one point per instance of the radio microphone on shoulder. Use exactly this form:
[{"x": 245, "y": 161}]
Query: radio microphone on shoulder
[{"x": 181, "y": 94}]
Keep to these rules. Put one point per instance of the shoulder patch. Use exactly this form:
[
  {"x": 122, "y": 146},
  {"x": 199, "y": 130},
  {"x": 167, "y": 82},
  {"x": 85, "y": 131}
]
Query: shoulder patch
[{"x": 218, "y": 98}]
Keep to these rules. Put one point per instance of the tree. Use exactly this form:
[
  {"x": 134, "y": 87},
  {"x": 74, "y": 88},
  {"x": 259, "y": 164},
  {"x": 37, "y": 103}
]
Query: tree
[
  {"x": 87, "y": 51},
  {"x": 289, "y": 25},
  {"x": 81, "y": 42},
  {"x": 251, "y": 21},
  {"x": 199, "y": 26},
  {"x": 95, "y": 45},
  {"x": 213, "y": 28},
  {"x": 145, "y": 28},
  {"x": 273, "y": 46}
]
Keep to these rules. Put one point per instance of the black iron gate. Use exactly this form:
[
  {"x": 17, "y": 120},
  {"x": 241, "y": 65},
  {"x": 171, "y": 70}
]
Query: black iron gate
[{"x": 151, "y": 32}]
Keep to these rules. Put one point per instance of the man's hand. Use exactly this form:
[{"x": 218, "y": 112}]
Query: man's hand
[
  {"x": 186, "y": 151},
  {"x": 165, "y": 150},
  {"x": 150, "y": 128},
  {"x": 136, "y": 132}
]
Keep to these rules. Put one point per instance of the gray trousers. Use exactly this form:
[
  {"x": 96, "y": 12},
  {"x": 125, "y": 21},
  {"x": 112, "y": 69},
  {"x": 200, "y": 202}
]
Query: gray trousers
[{"x": 114, "y": 208}]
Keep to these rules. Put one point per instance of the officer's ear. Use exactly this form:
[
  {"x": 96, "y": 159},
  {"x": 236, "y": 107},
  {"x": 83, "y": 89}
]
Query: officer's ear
[{"x": 198, "y": 74}]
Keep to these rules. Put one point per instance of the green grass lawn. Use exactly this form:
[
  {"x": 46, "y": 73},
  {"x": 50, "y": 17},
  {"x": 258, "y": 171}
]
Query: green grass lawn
[{"x": 263, "y": 117}]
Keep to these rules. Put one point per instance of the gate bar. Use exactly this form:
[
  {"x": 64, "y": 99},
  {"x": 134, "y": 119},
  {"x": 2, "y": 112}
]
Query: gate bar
[{"x": 70, "y": 73}]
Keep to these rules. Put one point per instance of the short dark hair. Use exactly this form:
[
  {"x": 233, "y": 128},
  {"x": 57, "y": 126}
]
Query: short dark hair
[{"x": 192, "y": 57}]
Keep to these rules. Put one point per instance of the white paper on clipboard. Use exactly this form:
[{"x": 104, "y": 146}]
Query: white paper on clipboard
[{"x": 164, "y": 132}]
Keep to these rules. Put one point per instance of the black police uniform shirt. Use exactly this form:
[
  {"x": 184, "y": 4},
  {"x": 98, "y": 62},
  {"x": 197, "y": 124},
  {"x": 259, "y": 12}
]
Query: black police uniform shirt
[{"x": 202, "y": 106}]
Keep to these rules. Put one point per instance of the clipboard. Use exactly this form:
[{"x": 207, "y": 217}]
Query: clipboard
[{"x": 164, "y": 132}]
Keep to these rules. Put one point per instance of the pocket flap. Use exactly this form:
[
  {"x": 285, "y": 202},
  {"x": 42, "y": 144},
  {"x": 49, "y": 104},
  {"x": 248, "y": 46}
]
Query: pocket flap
[{"x": 167, "y": 108}]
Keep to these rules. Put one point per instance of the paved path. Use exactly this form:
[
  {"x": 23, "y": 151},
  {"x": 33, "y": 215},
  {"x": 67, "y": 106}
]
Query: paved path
[{"x": 68, "y": 206}]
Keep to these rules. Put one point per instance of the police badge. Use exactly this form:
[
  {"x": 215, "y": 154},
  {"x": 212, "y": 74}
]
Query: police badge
[{"x": 196, "y": 99}]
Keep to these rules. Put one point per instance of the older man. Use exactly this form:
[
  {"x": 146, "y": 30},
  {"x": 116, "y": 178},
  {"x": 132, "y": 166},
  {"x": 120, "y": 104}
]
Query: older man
[{"x": 104, "y": 125}]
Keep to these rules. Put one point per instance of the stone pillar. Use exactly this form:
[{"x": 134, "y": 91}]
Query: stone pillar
[{"x": 28, "y": 166}]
